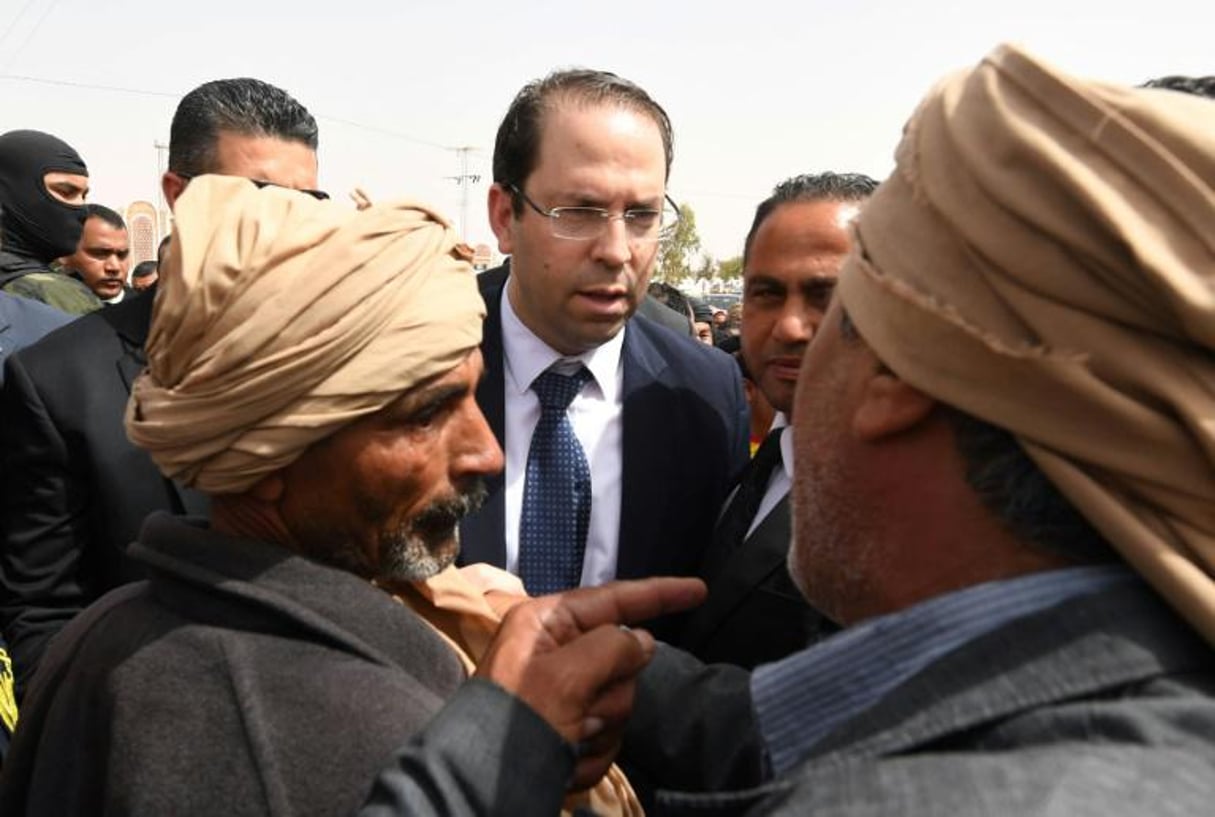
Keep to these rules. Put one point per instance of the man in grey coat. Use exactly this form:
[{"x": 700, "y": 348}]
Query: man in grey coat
[
  {"x": 313, "y": 370},
  {"x": 1005, "y": 475}
]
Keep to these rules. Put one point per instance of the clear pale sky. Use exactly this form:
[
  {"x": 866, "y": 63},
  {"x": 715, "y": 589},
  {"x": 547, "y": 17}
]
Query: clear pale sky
[{"x": 757, "y": 90}]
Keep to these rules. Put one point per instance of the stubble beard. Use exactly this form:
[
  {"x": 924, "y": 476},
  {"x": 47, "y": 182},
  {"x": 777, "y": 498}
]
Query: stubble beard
[{"x": 828, "y": 558}]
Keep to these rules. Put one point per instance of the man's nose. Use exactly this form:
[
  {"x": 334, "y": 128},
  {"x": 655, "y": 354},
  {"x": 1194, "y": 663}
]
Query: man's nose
[
  {"x": 612, "y": 247},
  {"x": 796, "y": 323}
]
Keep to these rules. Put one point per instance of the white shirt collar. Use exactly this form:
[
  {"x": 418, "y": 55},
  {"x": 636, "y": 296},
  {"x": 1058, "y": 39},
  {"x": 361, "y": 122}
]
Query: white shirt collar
[
  {"x": 779, "y": 420},
  {"x": 526, "y": 356}
]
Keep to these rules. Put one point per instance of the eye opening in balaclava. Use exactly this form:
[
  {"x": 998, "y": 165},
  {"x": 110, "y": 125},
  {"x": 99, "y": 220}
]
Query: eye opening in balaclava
[{"x": 33, "y": 223}]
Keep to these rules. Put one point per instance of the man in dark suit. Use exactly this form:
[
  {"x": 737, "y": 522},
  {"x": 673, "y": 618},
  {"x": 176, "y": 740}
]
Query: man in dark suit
[
  {"x": 74, "y": 490},
  {"x": 791, "y": 258},
  {"x": 656, "y": 426}
]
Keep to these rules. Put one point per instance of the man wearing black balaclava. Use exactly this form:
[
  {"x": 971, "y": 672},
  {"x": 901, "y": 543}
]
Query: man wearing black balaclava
[{"x": 42, "y": 186}]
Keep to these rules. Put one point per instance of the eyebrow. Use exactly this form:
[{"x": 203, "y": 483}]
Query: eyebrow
[
  {"x": 762, "y": 278},
  {"x": 431, "y": 398}
]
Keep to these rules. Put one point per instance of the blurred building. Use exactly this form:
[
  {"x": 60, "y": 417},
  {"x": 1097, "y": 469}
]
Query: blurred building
[{"x": 143, "y": 228}]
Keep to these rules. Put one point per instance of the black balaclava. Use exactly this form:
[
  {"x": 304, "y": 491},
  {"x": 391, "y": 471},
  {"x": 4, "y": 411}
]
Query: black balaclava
[{"x": 33, "y": 223}]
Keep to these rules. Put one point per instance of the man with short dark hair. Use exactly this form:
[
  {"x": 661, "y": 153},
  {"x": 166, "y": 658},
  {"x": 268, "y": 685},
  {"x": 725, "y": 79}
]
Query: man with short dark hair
[
  {"x": 619, "y": 435},
  {"x": 143, "y": 276},
  {"x": 74, "y": 490},
  {"x": 43, "y": 183},
  {"x": 791, "y": 259},
  {"x": 102, "y": 258}
]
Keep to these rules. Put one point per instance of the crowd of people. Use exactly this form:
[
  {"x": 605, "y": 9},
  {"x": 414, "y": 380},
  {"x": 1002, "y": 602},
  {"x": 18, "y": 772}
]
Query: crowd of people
[{"x": 306, "y": 517}]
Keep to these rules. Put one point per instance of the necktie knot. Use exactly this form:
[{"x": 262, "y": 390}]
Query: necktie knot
[{"x": 556, "y": 391}]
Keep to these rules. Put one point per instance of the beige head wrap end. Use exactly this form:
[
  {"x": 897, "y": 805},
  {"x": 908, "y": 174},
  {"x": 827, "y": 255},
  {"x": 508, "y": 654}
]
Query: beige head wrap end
[
  {"x": 1043, "y": 257},
  {"x": 281, "y": 318}
]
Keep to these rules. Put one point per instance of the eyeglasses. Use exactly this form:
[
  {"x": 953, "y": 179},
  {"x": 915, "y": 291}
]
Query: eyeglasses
[
  {"x": 587, "y": 223},
  {"x": 319, "y": 195}
]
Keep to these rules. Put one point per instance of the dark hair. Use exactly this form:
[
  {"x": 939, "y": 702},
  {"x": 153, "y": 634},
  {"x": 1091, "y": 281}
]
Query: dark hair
[
  {"x": 810, "y": 187},
  {"x": 671, "y": 297},
  {"x": 1012, "y": 487},
  {"x": 244, "y": 106},
  {"x": 144, "y": 269},
  {"x": 517, "y": 145},
  {"x": 105, "y": 214},
  {"x": 1199, "y": 86}
]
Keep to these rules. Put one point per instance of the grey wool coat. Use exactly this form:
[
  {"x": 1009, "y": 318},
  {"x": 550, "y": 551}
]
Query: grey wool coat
[
  {"x": 241, "y": 679},
  {"x": 1101, "y": 705}
]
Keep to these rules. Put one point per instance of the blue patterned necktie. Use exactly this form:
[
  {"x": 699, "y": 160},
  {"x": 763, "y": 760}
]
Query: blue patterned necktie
[{"x": 556, "y": 492}]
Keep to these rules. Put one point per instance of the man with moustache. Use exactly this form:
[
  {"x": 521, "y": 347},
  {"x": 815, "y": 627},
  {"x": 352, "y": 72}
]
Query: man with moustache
[
  {"x": 103, "y": 257},
  {"x": 312, "y": 369},
  {"x": 73, "y": 490},
  {"x": 791, "y": 258},
  {"x": 619, "y": 435}
]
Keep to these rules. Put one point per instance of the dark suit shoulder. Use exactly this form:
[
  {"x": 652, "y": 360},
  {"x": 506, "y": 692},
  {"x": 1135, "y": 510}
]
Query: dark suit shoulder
[
  {"x": 493, "y": 279},
  {"x": 78, "y": 352}
]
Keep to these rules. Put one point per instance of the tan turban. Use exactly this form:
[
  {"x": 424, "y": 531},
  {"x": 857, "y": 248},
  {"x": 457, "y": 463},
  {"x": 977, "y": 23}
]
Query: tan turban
[
  {"x": 281, "y": 318},
  {"x": 1043, "y": 257}
]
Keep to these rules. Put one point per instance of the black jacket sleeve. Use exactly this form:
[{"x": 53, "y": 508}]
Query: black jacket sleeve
[
  {"x": 43, "y": 524},
  {"x": 693, "y": 727}
]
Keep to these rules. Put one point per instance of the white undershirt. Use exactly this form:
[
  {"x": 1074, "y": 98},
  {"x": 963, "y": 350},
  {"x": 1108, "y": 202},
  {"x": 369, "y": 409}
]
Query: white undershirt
[{"x": 595, "y": 415}]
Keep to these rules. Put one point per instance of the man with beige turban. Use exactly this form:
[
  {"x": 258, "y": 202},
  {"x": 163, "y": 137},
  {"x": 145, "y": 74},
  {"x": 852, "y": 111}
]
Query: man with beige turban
[
  {"x": 313, "y": 369},
  {"x": 1005, "y": 480}
]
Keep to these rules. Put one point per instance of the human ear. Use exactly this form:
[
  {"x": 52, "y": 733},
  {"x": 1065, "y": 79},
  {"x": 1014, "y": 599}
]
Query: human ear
[
  {"x": 889, "y": 406},
  {"x": 501, "y": 217},
  {"x": 171, "y": 185}
]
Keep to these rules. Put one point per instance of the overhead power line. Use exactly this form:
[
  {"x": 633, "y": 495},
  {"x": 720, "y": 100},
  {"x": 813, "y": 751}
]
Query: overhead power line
[{"x": 92, "y": 86}]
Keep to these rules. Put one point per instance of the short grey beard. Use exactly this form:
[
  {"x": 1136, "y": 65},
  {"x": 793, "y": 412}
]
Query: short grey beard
[{"x": 430, "y": 543}]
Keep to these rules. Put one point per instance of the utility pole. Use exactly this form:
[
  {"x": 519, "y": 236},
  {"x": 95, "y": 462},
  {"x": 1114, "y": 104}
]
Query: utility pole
[{"x": 465, "y": 180}]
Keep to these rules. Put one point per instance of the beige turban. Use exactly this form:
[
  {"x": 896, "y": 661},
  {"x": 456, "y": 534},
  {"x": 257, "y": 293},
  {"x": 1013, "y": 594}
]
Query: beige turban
[
  {"x": 281, "y": 318},
  {"x": 1043, "y": 257}
]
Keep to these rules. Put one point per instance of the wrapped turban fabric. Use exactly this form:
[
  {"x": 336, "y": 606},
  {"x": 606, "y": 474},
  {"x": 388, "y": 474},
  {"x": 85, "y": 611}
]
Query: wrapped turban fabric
[
  {"x": 1043, "y": 258},
  {"x": 280, "y": 319}
]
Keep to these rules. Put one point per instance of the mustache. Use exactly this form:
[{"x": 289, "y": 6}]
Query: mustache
[{"x": 440, "y": 516}]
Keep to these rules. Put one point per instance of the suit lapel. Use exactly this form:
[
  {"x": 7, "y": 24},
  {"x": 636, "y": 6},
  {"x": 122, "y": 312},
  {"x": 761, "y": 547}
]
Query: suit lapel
[
  {"x": 647, "y": 465},
  {"x": 744, "y": 570},
  {"x": 131, "y": 320},
  {"x": 482, "y": 535}
]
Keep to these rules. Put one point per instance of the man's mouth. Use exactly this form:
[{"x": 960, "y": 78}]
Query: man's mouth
[
  {"x": 439, "y": 519},
  {"x": 611, "y": 300},
  {"x": 785, "y": 367}
]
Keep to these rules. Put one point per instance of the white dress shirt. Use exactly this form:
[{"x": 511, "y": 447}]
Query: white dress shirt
[{"x": 595, "y": 415}]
